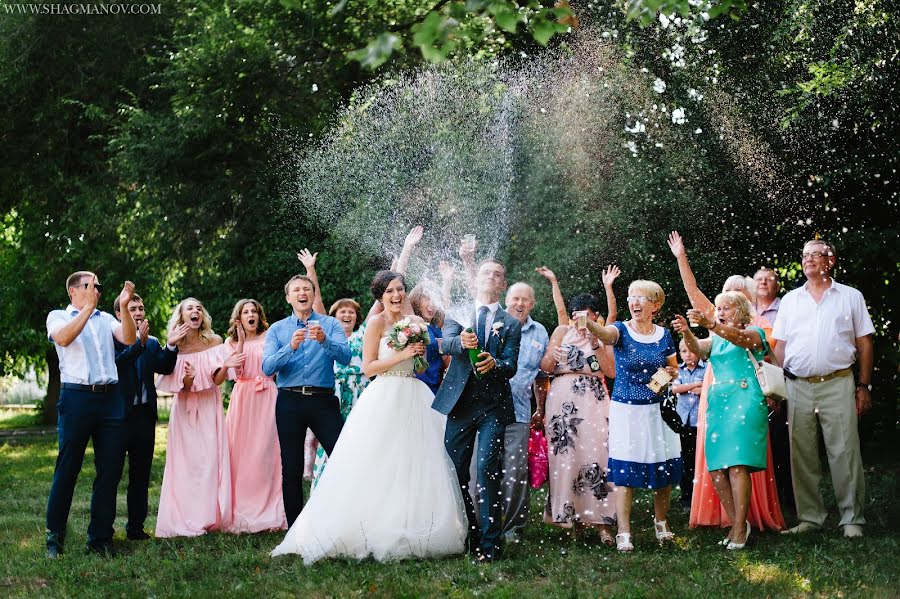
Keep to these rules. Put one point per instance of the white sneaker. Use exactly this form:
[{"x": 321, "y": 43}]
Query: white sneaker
[{"x": 852, "y": 531}]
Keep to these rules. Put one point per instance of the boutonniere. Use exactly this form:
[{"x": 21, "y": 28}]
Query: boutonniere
[{"x": 496, "y": 327}]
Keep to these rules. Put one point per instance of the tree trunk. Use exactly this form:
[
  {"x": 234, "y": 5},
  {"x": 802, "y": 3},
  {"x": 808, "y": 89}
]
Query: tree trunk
[{"x": 49, "y": 412}]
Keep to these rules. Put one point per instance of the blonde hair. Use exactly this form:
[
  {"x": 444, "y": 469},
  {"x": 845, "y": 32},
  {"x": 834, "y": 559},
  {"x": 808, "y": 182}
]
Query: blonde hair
[
  {"x": 743, "y": 309},
  {"x": 261, "y": 325},
  {"x": 741, "y": 283},
  {"x": 649, "y": 288},
  {"x": 206, "y": 333}
]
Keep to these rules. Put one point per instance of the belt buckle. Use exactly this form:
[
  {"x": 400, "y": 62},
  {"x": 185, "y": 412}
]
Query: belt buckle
[
  {"x": 303, "y": 390},
  {"x": 94, "y": 389}
]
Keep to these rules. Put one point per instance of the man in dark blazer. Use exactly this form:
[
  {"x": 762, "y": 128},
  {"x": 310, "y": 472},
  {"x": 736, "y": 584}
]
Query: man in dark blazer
[
  {"x": 481, "y": 406},
  {"x": 137, "y": 365}
]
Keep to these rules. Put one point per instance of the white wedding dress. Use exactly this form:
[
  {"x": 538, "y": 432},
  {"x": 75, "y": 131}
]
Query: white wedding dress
[{"x": 389, "y": 490}]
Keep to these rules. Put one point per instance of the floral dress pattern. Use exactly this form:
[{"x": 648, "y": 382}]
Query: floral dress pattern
[
  {"x": 349, "y": 382},
  {"x": 577, "y": 425}
]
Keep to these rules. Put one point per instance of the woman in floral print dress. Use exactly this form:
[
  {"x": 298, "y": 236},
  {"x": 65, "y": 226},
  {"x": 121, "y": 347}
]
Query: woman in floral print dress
[{"x": 576, "y": 420}]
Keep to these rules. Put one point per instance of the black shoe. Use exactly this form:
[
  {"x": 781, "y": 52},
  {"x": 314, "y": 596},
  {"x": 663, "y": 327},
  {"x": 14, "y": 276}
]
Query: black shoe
[
  {"x": 139, "y": 535},
  {"x": 103, "y": 549},
  {"x": 54, "y": 545}
]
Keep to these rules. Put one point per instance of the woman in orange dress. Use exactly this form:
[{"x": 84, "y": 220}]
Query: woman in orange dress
[{"x": 706, "y": 509}]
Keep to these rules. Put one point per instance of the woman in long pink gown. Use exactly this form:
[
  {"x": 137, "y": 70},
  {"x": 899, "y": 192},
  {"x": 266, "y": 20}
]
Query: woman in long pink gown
[
  {"x": 196, "y": 488},
  {"x": 256, "y": 499}
]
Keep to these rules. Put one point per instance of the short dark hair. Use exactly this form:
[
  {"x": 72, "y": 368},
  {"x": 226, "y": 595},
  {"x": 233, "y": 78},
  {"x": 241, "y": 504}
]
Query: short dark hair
[
  {"x": 381, "y": 281},
  {"x": 134, "y": 297},
  {"x": 584, "y": 301},
  {"x": 493, "y": 261}
]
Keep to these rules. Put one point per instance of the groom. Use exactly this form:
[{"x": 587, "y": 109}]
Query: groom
[{"x": 481, "y": 406}]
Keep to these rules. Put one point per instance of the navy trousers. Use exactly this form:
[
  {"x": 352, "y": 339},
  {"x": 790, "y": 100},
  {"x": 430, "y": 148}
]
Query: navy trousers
[
  {"x": 84, "y": 416},
  {"x": 140, "y": 431},
  {"x": 294, "y": 413},
  {"x": 467, "y": 419}
]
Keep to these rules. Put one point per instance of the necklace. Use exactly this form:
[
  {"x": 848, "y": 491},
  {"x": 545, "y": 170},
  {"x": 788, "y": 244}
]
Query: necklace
[{"x": 634, "y": 325}]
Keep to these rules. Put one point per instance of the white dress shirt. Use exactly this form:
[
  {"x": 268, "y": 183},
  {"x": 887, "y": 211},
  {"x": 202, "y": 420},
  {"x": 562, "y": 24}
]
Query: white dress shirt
[{"x": 821, "y": 338}]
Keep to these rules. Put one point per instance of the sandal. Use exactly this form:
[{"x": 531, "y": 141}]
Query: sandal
[
  {"x": 663, "y": 534},
  {"x": 606, "y": 537},
  {"x": 623, "y": 542}
]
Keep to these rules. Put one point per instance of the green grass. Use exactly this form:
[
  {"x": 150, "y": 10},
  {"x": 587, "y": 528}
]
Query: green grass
[
  {"x": 19, "y": 419},
  {"x": 550, "y": 562}
]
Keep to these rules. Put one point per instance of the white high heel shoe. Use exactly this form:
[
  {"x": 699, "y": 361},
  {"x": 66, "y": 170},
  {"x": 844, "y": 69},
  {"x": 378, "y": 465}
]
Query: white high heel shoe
[{"x": 732, "y": 546}]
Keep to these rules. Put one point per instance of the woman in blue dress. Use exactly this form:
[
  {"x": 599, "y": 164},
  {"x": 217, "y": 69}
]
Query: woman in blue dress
[
  {"x": 424, "y": 307},
  {"x": 643, "y": 451},
  {"x": 737, "y": 423}
]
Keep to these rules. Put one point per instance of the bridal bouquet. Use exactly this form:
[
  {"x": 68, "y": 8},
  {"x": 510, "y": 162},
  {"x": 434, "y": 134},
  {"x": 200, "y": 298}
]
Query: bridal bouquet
[{"x": 405, "y": 332}]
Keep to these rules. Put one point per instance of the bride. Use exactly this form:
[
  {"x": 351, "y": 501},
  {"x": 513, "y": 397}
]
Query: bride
[{"x": 389, "y": 490}]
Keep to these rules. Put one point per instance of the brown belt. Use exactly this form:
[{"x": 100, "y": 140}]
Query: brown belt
[{"x": 826, "y": 377}]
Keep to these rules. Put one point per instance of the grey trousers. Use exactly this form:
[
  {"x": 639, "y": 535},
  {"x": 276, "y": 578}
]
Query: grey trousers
[
  {"x": 514, "y": 487},
  {"x": 831, "y": 406}
]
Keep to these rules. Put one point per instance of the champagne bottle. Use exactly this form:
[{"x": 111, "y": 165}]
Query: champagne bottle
[{"x": 473, "y": 355}]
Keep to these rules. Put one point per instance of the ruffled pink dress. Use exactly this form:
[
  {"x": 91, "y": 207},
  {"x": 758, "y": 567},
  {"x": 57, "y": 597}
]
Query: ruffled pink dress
[
  {"x": 256, "y": 499},
  {"x": 196, "y": 488}
]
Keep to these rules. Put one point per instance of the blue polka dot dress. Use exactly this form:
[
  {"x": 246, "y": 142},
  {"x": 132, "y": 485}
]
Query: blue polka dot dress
[{"x": 643, "y": 450}]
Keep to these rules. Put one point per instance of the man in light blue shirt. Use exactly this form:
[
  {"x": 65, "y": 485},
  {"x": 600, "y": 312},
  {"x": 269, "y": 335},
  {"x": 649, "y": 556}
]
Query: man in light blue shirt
[
  {"x": 300, "y": 351},
  {"x": 89, "y": 408},
  {"x": 519, "y": 303}
]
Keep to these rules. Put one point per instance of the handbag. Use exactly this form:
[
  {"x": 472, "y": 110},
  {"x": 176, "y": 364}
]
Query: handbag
[
  {"x": 770, "y": 377},
  {"x": 669, "y": 412},
  {"x": 538, "y": 459}
]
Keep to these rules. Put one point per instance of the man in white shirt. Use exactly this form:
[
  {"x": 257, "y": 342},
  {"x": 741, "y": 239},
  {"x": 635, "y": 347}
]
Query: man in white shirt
[{"x": 822, "y": 329}]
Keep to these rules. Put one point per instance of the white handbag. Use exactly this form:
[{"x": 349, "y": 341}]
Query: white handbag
[{"x": 770, "y": 377}]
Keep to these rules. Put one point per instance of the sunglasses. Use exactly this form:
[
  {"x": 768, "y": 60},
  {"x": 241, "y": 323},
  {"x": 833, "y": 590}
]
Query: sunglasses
[{"x": 97, "y": 286}]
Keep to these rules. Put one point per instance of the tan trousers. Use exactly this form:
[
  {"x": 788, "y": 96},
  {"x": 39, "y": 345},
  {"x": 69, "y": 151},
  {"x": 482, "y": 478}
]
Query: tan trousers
[{"x": 830, "y": 405}]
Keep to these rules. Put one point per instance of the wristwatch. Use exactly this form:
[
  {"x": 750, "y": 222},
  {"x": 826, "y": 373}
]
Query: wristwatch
[{"x": 867, "y": 386}]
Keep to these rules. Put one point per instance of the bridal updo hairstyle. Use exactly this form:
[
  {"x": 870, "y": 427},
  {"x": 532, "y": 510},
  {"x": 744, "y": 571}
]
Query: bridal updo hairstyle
[{"x": 381, "y": 281}]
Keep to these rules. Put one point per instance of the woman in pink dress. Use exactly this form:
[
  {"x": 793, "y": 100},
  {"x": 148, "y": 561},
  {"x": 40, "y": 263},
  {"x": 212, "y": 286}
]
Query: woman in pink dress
[
  {"x": 255, "y": 455},
  {"x": 196, "y": 488},
  {"x": 706, "y": 509}
]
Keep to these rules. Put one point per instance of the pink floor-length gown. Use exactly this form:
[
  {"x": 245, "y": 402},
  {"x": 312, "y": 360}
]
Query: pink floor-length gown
[
  {"x": 196, "y": 488},
  {"x": 257, "y": 503},
  {"x": 706, "y": 509}
]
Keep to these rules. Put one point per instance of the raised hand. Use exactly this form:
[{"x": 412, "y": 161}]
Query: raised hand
[
  {"x": 414, "y": 236},
  {"x": 701, "y": 318},
  {"x": 446, "y": 270},
  {"x": 143, "y": 331},
  {"x": 680, "y": 324},
  {"x": 546, "y": 273},
  {"x": 239, "y": 329},
  {"x": 610, "y": 274},
  {"x": 307, "y": 259},
  {"x": 676, "y": 245},
  {"x": 126, "y": 294},
  {"x": 93, "y": 296},
  {"x": 177, "y": 334}
]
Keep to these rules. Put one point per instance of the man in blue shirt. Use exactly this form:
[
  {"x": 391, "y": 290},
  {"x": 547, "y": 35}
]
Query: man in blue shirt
[
  {"x": 519, "y": 303},
  {"x": 301, "y": 351},
  {"x": 89, "y": 408},
  {"x": 687, "y": 388}
]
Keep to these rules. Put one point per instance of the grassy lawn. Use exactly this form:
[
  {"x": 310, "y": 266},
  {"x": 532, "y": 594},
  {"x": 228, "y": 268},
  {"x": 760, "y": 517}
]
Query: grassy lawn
[
  {"x": 19, "y": 419},
  {"x": 550, "y": 562}
]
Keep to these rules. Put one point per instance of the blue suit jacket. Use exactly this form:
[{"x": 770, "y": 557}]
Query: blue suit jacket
[
  {"x": 504, "y": 346},
  {"x": 137, "y": 363}
]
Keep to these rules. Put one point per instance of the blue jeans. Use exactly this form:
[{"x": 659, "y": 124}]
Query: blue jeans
[{"x": 83, "y": 416}]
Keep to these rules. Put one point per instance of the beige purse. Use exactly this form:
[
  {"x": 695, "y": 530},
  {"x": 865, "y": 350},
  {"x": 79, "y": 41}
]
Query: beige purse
[{"x": 770, "y": 377}]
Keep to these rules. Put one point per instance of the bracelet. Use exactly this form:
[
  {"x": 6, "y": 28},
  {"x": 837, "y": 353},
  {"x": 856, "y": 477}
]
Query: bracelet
[{"x": 714, "y": 325}]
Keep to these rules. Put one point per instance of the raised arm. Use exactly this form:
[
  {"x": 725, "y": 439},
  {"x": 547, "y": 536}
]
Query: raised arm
[
  {"x": 447, "y": 271},
  {"x": 309, "y": 261},
  {"x": 412, "y": 239},
  {"x": 698, "y": 300},
  {"x": 699, "y": 347},
  {"x": 610, "y": 274},
  {"x": 562, "y": 314},
  {"x": 746, "y": 338},
  {"x": 608, "y": 334}
]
